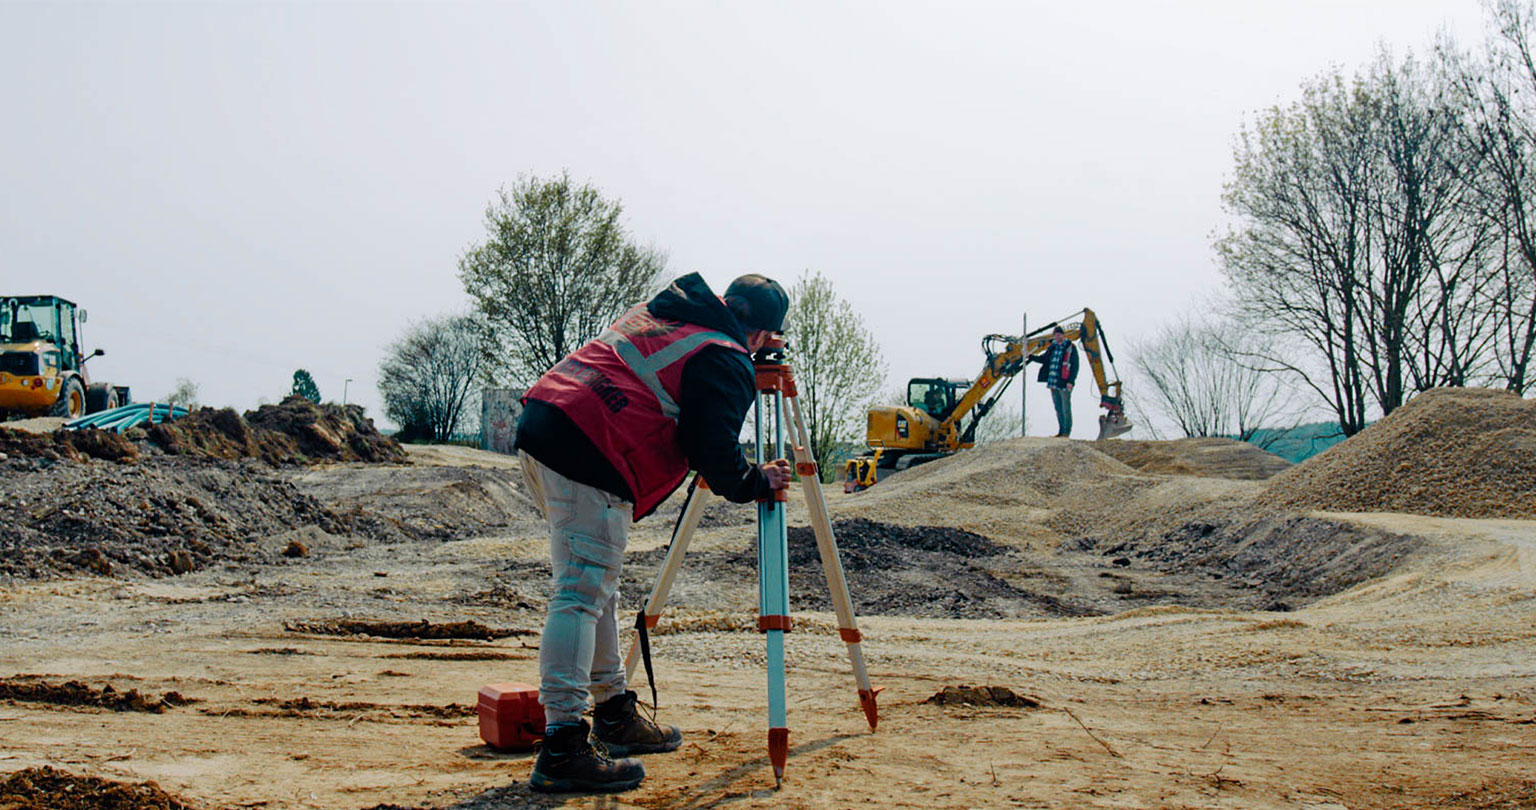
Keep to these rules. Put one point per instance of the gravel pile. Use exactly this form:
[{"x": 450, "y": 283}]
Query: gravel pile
[{"x": 1450, "y": 452}]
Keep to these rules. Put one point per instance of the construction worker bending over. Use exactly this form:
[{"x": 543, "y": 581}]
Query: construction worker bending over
[
  {"x": 605, "y": 436},
  {"x": 1058, "y": 370}
]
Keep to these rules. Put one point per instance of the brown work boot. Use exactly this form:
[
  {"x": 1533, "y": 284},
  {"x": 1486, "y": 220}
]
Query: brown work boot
[
  {"x": 569, "y": 763},
  {"x": 623, "y": 731}
]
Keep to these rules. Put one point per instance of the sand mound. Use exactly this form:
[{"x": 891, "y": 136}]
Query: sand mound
[
  {"x": 1450, "y": 452},
  {"x": 1206, "y": 458}
]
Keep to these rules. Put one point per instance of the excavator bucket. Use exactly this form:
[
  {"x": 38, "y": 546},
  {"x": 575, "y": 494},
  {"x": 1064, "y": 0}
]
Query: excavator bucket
[{"x": 1113, "y": 424}]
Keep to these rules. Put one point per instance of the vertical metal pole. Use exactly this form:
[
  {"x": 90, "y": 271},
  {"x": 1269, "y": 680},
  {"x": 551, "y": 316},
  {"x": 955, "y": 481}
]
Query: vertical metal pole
[{"x": 1024, "y": 384}]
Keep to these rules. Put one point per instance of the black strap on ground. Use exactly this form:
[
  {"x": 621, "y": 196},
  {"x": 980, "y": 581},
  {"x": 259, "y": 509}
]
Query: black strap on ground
[{"x": 641, "y": 630}]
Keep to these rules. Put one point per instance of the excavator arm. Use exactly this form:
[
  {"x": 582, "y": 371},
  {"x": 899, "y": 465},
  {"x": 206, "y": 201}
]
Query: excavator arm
[
  {"x": 1007, "y": 356},
  {"x": 1090, "y": 333}
]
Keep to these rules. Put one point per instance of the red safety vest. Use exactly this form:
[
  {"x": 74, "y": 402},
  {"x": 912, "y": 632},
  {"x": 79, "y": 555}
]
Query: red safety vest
[{"x": 622, "y": 391}]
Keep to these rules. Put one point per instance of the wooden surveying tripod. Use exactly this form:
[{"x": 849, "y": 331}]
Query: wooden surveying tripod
[{"x": 776, "y": 389}]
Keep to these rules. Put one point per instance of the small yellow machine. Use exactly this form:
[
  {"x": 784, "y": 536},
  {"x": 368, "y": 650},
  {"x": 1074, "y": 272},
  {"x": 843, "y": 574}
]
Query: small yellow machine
[
  {"x": 42, "y": 367},
  {"x": 941, "y": 415}
]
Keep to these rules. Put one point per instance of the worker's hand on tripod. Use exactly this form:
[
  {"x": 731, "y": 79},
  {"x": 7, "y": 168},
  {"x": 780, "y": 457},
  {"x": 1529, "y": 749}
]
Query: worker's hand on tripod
[{"x": 777, "y": 472}]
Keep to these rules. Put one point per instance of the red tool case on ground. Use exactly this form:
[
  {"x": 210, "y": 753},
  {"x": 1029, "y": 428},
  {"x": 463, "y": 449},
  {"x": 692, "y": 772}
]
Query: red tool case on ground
[{"x": 511, "y": 718}]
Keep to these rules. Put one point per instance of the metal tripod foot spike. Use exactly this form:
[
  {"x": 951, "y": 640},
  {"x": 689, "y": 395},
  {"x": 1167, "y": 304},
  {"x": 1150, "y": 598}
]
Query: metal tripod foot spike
[{"x": 777, "y": 411}]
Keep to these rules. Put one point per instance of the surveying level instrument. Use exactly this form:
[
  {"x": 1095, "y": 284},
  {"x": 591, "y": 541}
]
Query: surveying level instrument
[{"x": 776, "y": 414}]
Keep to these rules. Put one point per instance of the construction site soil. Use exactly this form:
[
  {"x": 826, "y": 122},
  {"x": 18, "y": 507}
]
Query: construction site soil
[{"x": 1056, "y": 624}]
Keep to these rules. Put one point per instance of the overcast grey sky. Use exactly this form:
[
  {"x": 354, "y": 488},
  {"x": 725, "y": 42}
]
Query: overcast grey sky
[{"x": 235, "y": 190}]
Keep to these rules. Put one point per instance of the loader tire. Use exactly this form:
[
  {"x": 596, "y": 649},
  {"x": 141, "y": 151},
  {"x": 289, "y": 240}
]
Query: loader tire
[
  {"x": 100, "y": 397},
  {"x": 71, "y": 401}
]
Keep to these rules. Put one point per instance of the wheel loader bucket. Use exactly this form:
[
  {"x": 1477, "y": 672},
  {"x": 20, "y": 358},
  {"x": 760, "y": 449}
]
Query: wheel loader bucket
[{"x": 1112, "y": 425}]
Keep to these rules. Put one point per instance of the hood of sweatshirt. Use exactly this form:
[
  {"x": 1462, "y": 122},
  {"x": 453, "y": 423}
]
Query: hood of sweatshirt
[{"x": 689, "y": 299}]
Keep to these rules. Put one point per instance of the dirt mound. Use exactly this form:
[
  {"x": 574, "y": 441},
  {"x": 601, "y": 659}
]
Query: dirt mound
[
  {"x": 296, "y": 431},
  {"x": 982, "y": 696},
  {"x": 52, "y": 789},
  {"x": 159, "y": 517},
  {"x": 71, "y": 445},
  {"x": 428, "y": 502},
  {"x": 75, "y": 693},
  {"x": 329, "y": 432},
  {"x": 1450, "y": 452},
  {"x": 1206, "y": 458},
  {"x": 419, "y": 629}
]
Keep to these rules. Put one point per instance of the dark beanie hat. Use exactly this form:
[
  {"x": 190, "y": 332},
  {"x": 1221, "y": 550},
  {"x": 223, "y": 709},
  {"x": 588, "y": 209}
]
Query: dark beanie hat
[{"x": 766, "y": 302}]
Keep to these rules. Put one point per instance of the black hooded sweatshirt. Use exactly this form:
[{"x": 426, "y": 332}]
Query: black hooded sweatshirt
[{"x": 717, "y": 391}]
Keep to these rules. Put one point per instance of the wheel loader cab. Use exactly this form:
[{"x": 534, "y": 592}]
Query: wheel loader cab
[{"x": 42, "y": 369}]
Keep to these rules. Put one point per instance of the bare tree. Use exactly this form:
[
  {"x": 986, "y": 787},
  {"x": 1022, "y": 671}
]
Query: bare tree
[
  {"x": 427, "y": 375},
  {"x": 557, "y": 268},
  {"x": 1297, "y": 259},
  {"x": 1196, "y": 376},
  {"x": 837, "y": 364},
  {"x": 1499, "y": 91}
]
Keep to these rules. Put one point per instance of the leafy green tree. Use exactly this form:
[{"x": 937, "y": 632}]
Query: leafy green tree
[
  {"x": 556, "y": 269},
  {"x": 837, "y": 363},
  {"x": 304, "y": 386}
]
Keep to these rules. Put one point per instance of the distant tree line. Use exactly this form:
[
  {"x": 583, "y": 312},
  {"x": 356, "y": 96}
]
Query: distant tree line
[
  {"x": 1382, "y": 238},
  {"x": 556, "y": 268}
]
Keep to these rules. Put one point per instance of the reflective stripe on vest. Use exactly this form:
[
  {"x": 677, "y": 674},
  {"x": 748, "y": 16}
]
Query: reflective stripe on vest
[{"x": 648, "y": 369}]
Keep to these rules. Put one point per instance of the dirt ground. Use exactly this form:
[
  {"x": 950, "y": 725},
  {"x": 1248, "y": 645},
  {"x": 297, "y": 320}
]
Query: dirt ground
[{"x": 1173, "y": 642}]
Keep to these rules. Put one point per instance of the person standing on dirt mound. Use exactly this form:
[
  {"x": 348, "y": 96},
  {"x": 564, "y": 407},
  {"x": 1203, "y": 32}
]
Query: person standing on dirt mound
[
  {"x": 1058, "y": 370},
  {"x": 605, "y": 436}
]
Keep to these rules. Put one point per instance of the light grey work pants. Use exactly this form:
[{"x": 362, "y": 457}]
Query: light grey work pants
[{"x": 579, "y": 653}]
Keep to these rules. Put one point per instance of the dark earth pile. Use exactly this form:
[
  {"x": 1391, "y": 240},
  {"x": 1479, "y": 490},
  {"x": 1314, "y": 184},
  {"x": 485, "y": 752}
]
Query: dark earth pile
[
  {"x": 75, "y": 693},
  {"x": 982, "y": 696},
  {"x": 422, "y": 629},
  {"x": 51, "y": 789},
  {"x": 933, "y": 572},
  {"x": 72, "y": 445},
  {"x": 926, "y": 571},
  {"x": 296, "y": 431},
  {"x": 1452, "y": 452},
  {"x": 158, "y": 517},
  {"x": 1280, "y": 561}
]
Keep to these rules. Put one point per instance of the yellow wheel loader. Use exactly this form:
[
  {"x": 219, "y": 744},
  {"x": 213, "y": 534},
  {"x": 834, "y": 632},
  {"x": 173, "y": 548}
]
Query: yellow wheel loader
[
  {"x": 42, "y": 367},
  {"x": 941, "y": 415}
]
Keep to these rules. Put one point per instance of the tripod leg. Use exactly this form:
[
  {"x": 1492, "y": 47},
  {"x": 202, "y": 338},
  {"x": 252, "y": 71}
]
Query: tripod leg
[
  {"x": 832, "y": 564},
  {"x": 687, "y": 523},
  {"x": 773, "y": 592}
]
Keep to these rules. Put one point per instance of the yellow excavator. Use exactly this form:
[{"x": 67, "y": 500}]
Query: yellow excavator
[
  {"x": 42, "y": 365},
  {"x": 941, "y": 415}
]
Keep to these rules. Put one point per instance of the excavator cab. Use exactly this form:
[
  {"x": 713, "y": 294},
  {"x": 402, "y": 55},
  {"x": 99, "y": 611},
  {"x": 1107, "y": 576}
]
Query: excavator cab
[{"x": 936, "y": 396}]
